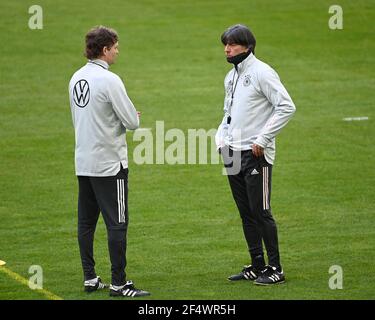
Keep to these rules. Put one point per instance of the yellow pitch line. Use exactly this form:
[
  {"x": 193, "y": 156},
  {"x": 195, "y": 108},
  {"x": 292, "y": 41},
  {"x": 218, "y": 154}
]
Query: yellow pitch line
[{"x": 24, "y": 281}]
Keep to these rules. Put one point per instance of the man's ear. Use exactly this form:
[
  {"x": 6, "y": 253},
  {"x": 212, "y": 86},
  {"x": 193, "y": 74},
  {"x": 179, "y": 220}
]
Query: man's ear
[{"x": 105, "y": 50}]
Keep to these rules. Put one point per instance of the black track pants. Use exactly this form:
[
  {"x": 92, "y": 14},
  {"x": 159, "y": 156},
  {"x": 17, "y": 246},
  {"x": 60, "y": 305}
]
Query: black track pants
[
  {"x": 108, "y": 195},
  {"x": 251, "y": 190}
]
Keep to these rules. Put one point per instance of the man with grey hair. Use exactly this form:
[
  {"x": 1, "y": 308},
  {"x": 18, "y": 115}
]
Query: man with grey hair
[
  {"x": 101, "y": 113},
  {"x": 256, "y": 107}
]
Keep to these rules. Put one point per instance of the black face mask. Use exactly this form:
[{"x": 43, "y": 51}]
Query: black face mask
[{"x": 239, "y": 58}]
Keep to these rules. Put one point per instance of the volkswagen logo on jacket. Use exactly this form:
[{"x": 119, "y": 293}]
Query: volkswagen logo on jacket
[{"x": 81, "y": 93}]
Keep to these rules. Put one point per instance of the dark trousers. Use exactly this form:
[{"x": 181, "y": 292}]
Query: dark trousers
[
  {"x": 251, "y": 189},
  {"x": 108, "y": 195}
]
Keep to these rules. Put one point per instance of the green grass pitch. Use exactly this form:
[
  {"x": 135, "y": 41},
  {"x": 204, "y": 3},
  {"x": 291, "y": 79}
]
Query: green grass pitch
[{"x": 185, "y": 235}]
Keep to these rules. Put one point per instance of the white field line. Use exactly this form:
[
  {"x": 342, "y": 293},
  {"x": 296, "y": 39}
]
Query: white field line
[{"x": 22, "y": 280}]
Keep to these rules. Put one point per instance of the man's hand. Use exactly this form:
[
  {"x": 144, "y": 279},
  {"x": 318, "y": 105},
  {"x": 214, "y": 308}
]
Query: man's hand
[
  {"x": 258, "y": 151},
  {"x": 139, "y": 114}
]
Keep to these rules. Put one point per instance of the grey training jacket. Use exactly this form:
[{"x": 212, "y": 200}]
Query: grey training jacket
[
  {"x": 101, "y": 113},
  {"x": 261, "y": 107}
]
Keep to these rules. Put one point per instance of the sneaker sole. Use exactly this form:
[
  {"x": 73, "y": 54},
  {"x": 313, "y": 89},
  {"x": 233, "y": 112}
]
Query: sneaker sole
[
  {"x": 115, "y": 294},
  {"x": 269, "y": 284},
  {"x": 243, "y": 279}
]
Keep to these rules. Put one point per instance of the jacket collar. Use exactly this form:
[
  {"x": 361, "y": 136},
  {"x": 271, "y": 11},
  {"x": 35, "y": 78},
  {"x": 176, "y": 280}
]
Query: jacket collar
[
  {"x": 100, "y": 63},
  {"x": 247, "y": 62}
]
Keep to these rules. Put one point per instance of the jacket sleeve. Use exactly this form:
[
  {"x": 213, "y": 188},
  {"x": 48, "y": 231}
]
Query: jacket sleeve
[
  {"x": 222, "y": 130},
  {"x": 221, "y": 133},
  {"x": 122, "y": 105},
  {"x": 71, "y": 102},
  {"x": 284, "y": 108}
]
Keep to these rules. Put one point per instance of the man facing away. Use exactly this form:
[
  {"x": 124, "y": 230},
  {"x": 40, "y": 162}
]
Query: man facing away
[
  {"x": 102, "y": 112},
  {"x": 256, "y": 107}
]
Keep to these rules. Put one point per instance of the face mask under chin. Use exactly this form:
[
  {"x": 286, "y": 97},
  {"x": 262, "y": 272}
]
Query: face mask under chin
[{"x": 238, "y": 58}]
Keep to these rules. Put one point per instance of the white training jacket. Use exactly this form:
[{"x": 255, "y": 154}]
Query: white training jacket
[
  {"x": 261, "y": 107},
  {"x": 101, "y": 112}
]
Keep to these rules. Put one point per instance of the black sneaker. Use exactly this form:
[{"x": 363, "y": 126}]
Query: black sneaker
[
  {"x": 92, "y": 285},
  {"x": 247, "y": 273},
  {"x": 270, "y": 276},
  {"x": 128, "y": 290}
]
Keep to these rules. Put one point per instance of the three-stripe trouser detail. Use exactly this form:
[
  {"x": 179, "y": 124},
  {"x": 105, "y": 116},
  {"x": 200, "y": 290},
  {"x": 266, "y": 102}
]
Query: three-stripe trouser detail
[
  {"x": 121, "y": 200},
  {"x": 266, "y": 202}
]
